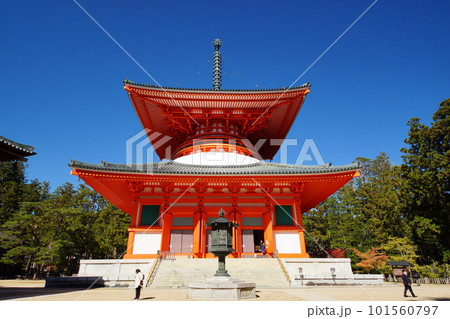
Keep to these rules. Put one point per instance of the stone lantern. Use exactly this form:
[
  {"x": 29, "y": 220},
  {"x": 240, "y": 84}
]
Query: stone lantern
[
  {"x": 221, "y": 286},
  {"x": 221, "y": 240}
]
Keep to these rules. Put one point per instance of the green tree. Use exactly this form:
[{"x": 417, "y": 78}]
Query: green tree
[
  {"x": 111, "y": 231},
  {"x": 361, "y": 215},
  {"x": 376, "y": 200},
  {"x": 14, "y": 193},
  {"x": 400, "y": 249},
  {"x": 12, "y": 184},
  {"x": 52, "y": 231},
  {"x": 426, "y": 192}
]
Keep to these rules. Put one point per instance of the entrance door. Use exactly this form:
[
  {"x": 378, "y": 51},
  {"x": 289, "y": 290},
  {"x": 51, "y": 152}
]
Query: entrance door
[
  {"x": 248, "y": 244},
  {"x": 181, "y": 241},
  {"x": 258, "y": 235},
  {"x": 186, "y": 241}
]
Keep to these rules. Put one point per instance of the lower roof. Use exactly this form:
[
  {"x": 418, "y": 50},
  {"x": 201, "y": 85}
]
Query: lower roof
[
  {"x": 174, "y": 168},
  {"x": 122, "y": 184}
]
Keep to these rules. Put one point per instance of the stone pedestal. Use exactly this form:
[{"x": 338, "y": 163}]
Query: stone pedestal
[{"x": 221, "y": 288}]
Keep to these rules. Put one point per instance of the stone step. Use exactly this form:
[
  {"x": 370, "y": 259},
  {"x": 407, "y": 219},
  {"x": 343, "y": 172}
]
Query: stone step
[{"x": 264, "y": 272}]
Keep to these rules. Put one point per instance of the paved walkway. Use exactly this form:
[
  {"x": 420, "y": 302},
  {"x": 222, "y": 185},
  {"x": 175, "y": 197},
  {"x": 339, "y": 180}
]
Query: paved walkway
[{"x": 34, "y": 290}]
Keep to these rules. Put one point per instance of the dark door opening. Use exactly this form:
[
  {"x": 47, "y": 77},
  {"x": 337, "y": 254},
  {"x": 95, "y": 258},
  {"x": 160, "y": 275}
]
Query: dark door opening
[
  {"x": 251, "y": 239},
  {"x": 258, "y": 236}
]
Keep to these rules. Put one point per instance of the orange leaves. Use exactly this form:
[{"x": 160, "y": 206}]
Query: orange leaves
[{"x": 371, "y": 259}]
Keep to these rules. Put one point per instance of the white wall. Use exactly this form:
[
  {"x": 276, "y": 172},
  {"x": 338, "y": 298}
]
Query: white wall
[
  {"x": 216, "y": 158},
  {"x": 287, "y": 242},
  {"x": 148, "y": 243},
  {"x": 319, "y": 266},
  {"x": 108, "y": 267}
]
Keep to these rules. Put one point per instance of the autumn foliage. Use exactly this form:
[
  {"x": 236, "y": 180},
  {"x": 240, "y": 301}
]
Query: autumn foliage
[
  {"x": 372, "y": 259},
  {"x": 337, "y": 253}
]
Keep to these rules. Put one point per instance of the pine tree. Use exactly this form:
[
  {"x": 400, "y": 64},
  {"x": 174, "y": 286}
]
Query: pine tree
[{"x": 426, "y": 192}]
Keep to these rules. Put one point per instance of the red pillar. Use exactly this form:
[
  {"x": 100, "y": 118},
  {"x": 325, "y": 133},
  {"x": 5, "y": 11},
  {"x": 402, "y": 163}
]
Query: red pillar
[
  {"x": 237, "y": 234},
  {"x": 197, "y": 240},
  {"x": 165, "y": 235},
  {"x": 129, "y": 245},
  {"x": 301, "y": 232},
  {"x": 268, "y": 232}
]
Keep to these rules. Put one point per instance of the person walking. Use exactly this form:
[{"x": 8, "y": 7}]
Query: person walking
[
  {"x": 138, "y": 283},
  {"x": 407, "y": 284}
]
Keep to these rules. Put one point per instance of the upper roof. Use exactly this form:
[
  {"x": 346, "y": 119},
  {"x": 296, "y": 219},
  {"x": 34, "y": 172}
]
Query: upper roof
[
  {"x": 168, "y": 88},
  {"x": 174, "y": 112},
  {"x": 13, "y": 151},
  {"x": 174, "y": 168}
]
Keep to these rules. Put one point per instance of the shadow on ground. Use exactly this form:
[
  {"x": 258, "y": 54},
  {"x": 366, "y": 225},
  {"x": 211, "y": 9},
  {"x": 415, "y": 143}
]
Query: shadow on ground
[
  {"x": 438, "y": 299},
  {"x": 147, "y": 298},
  {"x": 7, "y": 293}
]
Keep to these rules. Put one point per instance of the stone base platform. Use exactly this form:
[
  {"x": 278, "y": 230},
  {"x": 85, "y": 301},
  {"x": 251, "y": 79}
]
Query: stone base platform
[
  {"x": 221, "y": 288},
  {"x": 327, "y": 272}
]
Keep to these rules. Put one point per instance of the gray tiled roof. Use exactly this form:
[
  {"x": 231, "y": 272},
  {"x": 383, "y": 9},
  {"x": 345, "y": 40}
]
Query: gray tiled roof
[
  {"x": 17, "y": 146},
  {"x": 305, "y": 85},
  {"x": 171, "y": 167}
]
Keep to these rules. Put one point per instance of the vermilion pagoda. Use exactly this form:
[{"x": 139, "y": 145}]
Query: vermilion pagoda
[{"x": 215, "y": 142}]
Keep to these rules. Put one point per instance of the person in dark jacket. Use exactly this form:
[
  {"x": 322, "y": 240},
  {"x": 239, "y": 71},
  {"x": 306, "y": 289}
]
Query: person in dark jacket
[
  {"x": 262, "y": 247},
  {"x": 407, "y": 284}
]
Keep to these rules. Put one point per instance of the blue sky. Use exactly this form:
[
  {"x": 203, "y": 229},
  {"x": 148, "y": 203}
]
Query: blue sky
[{"x": 61, "y": 85}]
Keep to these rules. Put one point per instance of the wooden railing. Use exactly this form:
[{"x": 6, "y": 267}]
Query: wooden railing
[
  {"x": 167, "y": 255},
  {"x": 285, "y": 272},
  {"x": 152, "y": 271},
  {"x": 424, "y": 280},
  {"x": 444, "y": 281}
]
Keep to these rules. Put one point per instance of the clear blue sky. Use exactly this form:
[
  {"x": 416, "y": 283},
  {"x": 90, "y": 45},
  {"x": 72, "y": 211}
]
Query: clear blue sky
[{"x": 61, "y": 85}]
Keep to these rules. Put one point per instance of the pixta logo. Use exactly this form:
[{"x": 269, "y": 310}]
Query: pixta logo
[
  {"x": 141, "y": 150},
  {"x": 308, "y": 153}
]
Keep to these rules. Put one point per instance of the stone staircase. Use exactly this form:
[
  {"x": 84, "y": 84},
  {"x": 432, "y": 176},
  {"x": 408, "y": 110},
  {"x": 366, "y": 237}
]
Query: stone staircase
[{"x": 265, "y": 272}]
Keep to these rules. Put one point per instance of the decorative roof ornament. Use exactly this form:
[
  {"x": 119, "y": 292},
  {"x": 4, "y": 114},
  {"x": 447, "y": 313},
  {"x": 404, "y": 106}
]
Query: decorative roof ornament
[{"x": 217, "y": 65}]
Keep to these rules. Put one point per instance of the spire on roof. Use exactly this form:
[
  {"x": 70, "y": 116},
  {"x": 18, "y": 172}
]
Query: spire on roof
[{"x": 217, "y": 65}]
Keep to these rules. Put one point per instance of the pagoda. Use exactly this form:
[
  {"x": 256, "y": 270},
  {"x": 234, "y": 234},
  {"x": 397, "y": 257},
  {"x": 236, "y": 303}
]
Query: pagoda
[{"x": 213, "y": 145}]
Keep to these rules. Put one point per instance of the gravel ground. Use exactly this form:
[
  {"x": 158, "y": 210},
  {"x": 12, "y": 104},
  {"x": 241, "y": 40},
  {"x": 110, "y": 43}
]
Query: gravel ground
[{"x": 29, "y": 290}]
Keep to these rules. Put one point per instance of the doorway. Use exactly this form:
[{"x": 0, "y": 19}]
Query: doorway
[
  {"x": 251, "y": 239},
  {"x": 181, "y": 241}
]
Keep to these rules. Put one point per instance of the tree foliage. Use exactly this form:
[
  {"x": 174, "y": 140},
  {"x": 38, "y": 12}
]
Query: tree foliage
[
  {"x": 372, "y": 260},
  {"x": 362, "y": 214},
  {"x": 49, "y": 232},
  {"x": 427, "y": 190},
  {"x": 403, "y": 211}
]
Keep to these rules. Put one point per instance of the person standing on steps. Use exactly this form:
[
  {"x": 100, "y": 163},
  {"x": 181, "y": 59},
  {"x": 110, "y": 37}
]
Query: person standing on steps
[
  {"x": 138, "y": 283},
  {"x": 407, "y": 284},
  {"x": 262, "y": 247}
]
